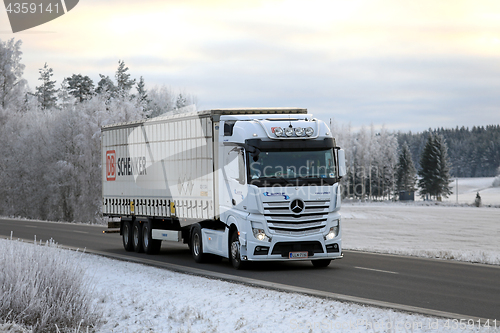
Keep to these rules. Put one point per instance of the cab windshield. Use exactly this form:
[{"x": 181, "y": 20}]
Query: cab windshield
[{"x": 298, "y": 165}]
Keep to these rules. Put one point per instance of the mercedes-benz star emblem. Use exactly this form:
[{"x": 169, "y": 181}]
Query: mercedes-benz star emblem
[{"x": 297, "y": 206}]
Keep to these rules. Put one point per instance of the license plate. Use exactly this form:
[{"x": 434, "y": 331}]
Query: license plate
[{"x": 296, "y": 255}]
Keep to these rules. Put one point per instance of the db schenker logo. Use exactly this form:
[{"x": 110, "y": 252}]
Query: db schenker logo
[
  {"x": 26, "y": 14},
  {"x": 110, "y": 165}
]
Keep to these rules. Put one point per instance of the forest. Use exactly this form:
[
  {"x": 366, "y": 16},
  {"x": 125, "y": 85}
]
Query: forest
[
  {"x": 472, "y": 152},
  {"x": 51, "y": 159}
]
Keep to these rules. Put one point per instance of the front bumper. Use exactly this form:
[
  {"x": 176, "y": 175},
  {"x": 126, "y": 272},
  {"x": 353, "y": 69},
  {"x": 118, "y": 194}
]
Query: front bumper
[{"x": 280, "y": 247}]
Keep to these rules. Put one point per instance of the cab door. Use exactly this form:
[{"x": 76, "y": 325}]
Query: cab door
[{"x": 235, "y": 187}]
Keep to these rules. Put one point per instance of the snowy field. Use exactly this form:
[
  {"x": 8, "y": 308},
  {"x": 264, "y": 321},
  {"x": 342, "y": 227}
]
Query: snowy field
[
  {"x": 468, "y": 187},
  {"x": 461, "y": 233},
  {"x": 137, "y": 298},
  {"x": 429, "y": 229}
]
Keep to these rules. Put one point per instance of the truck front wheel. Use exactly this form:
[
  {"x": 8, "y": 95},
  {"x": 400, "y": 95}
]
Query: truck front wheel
[
  {"x": 137, "y": 236},
  {"x": 197, "y": 245},
  {"x": 234, "y": 251},
  {"x": 127, "y": 236}
]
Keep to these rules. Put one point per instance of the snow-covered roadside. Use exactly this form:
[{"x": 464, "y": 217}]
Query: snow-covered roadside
[
  {"x": 461, "y": 233},
  {"x": 137, "y": 298}
]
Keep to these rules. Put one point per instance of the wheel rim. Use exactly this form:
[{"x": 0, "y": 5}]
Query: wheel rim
[
  {"x": 145, "y": 237},
  {"x": 235, "y": 250},
  {"x": 196, "y": 244}
]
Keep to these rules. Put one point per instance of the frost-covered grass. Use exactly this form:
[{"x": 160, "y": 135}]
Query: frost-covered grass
[{"x": 44, "y": 288}]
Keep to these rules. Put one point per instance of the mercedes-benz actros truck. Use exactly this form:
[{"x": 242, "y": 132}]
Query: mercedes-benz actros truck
[{"x": 253, "y": 184}]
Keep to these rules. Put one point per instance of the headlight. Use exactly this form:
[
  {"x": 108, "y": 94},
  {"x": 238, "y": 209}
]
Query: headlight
[
  {"x": 278, "y": 131},
  {"x": 334, "y": 231},
  {"x": 309, "y": 131},
  {"x": 260, "y": 234}
]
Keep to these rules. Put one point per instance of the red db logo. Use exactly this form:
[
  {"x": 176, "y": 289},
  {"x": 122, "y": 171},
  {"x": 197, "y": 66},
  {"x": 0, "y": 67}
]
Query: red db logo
[{"x": 110, "y": 165}]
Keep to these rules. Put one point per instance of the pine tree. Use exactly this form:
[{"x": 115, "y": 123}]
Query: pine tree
[
  {"x": 435, "y": 170},
  {"x": 405, "y": 172},
  {"x": 82, "y": 87},
  {"x": 123, "y": 81},
  {"x": 46, "y": 92},
  {"x": 142, "y": 94},
  {"x": 106, "y": 87},
  {"x": 443, "y": 179}
]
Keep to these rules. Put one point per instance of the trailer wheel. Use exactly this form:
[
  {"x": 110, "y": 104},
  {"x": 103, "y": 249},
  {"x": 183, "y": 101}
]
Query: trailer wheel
[
  {"x": 150, "y": 245},
  {"x": 197, "y": 245},
  {"x": 234, "y": 251},
  {"x": 127, "y": 236},
  {"x": 321, "y": 262},
  {"x": 137, "y": 236}
]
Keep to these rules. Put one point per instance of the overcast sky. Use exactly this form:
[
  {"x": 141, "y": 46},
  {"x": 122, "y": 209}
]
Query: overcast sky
[{"x": 405, "y": 64}]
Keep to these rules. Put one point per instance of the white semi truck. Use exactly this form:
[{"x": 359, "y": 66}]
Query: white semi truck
[{"x": 255, "y": 184}]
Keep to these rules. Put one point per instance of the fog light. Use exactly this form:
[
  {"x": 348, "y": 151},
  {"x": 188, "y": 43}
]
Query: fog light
[
  {"x": 261, "y": 250},
  {"x": 332, "y": 248},
  {"x": 288, "y": 131},
  {"x": 278, "y": 131},
  {"x": 309, "y": 131}
]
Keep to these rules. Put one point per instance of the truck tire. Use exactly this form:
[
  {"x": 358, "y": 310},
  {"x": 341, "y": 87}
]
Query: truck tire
[
  {"x": 197, "y": 244},
  {"x": 127, "y": 236},
  {"x": 150, "y": 245},
  {"x": 234, "y": 251},
  {"x": 137, "y": 236},
  {"x": 321, "y": 262}
]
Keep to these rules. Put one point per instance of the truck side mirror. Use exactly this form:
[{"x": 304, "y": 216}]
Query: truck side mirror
[{"x": 342, "y": 168}]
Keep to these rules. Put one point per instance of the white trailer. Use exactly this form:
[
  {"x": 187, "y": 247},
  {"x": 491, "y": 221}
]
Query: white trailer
[{"x": 257, "y": 184}]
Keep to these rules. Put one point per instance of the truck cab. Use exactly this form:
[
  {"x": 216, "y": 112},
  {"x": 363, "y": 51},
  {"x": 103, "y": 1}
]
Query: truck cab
[{"x": 280, "y": 188}]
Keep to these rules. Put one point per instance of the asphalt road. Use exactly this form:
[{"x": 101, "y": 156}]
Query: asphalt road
[{"x": 467, "y": 290}]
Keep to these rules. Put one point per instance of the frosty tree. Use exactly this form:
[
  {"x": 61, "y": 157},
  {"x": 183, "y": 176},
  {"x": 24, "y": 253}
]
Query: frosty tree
[
  {"x": 142, "y": 94},
  {"x": 46, "y": 92},
  {"x": 405, "y": 171},
  {"x": 181, "y": 102},
  {"x": 105, "y": 86},
  {"x": 11, "y": 72},
  {"x": 435, "y": 171},
  {"x": 123, "y": 81}
]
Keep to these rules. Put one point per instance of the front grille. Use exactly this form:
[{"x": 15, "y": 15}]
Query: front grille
[
  {"x": 284, "y": 248},
  {"x": 281, "y": 220}
]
